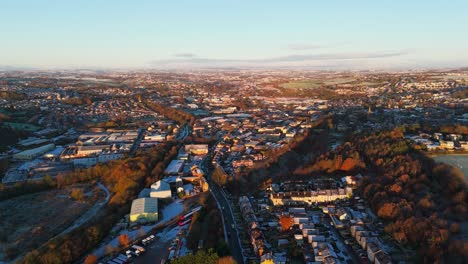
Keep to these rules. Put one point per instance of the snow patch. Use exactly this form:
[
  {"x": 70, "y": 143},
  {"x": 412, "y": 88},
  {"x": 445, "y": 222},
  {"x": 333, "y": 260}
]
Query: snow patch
[{"x": 172, "y": 210}]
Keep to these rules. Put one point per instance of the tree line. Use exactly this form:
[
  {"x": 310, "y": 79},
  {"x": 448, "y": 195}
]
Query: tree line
[
  {"x": 12, "y": 95},
  {"x": 177, "y": 115}
]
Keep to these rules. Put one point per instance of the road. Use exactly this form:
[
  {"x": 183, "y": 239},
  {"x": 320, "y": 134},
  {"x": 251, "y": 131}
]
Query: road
[
  {"x": 233, "y": 237},
  {"x": 184, "y": 131},
  {"x": 158, "y": 250},
  {"x": 348, "y": 249},
  {"x": 226, "y": 211},
  {"x": 136, "y": 144}
]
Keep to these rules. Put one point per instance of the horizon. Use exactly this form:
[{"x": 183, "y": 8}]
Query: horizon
[{"x": 143, "y": 35}]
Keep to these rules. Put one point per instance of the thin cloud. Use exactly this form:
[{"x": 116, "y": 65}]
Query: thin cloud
[
  {"x": 184, "y": 55},
  {"x": 283, "y": 59},
  {"x": 342, "y": 56}
]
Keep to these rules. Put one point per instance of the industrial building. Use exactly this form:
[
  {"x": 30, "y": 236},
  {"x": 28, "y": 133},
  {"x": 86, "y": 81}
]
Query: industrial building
[
  {"x": 33, "y": 153},
  {"x": 175, "y": 167},
  {"x": 160, "y": 189},
  {"x": 144, "y": 210},
  {"x": 197, "y": 149}
]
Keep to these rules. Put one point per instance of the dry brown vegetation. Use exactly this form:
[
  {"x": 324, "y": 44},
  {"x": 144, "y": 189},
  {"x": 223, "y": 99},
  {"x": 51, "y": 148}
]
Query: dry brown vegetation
[{"x": 28, "y": 221}]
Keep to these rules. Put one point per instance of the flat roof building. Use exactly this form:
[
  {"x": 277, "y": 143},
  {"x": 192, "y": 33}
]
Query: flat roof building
[
  {"x": 144, "y": 210},
  {"x": 33, "y": 153},
  {"x": 197, "y": 149},
  {"x": 160, "y": 189},
  {"x": 174, "y": 167}
]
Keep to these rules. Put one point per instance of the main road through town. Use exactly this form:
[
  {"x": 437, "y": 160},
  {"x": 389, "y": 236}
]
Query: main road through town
[{"x": 230, "y": 224}]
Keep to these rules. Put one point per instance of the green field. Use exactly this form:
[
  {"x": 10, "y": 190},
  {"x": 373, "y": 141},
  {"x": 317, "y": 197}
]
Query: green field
[
  {"x": 339, "y": 81},
  {"x": 311, "y": 84},
  {"x": 302, "y": 84},
  {"x": 22, "y": 126},
  {"x": 371, "y": 83}
]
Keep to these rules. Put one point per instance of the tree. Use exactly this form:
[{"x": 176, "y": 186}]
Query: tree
[
  {"x": 48, "y": 180},
  {"x": 348, "y": 165},
  {"x": 124, "y": 240},
  {"x": 201, "y": 257},
  {"x": 77, "y": 194},
  {"x": 223, "y": 249},
  {"x": 109, "y": 249},
  {"x": 219, "y": 176},
  {"x": 286, "y": 222},
  {"x": 94, "y": 233},
  {"x": 31, "y": 257},
  {"x": 90, "y": 259},
  {"x": 227, "y": 260}
]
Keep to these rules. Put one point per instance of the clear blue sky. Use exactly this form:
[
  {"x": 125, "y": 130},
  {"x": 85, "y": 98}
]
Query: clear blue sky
[{"x": 310, "y": 33}]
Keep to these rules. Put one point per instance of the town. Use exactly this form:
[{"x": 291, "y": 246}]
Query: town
[{"x": 194, "y": 153}]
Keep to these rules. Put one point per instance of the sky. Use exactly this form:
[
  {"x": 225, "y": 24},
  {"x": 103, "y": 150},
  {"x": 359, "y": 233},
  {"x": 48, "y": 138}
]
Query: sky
[{"x": 165, "y": 34}]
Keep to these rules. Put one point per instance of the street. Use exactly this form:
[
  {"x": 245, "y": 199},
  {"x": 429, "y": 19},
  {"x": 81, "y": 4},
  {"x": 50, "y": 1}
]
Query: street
[
  {"x": 136, "y": 144},
  {"x": 233, "y": 238}
]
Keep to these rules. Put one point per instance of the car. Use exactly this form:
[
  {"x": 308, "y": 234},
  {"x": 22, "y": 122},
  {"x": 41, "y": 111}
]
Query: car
[
  {"x": 132, "y": 253},
  {"x": 138, "y": 249}
]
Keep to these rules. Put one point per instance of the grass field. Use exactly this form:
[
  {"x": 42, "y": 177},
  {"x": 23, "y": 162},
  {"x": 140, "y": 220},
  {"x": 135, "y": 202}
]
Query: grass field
[
  {"x": 339, "y": 81},
  {"x": 302, "y": 84},
  {"x": 311, "y": 84},
  {"x": 30, "y": 220},
  {"x": 371, "y": 83}
]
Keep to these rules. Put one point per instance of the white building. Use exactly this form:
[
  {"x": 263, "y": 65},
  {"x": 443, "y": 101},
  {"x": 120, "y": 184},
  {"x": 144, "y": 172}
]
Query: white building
[{"x": 160, "y": 189}]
